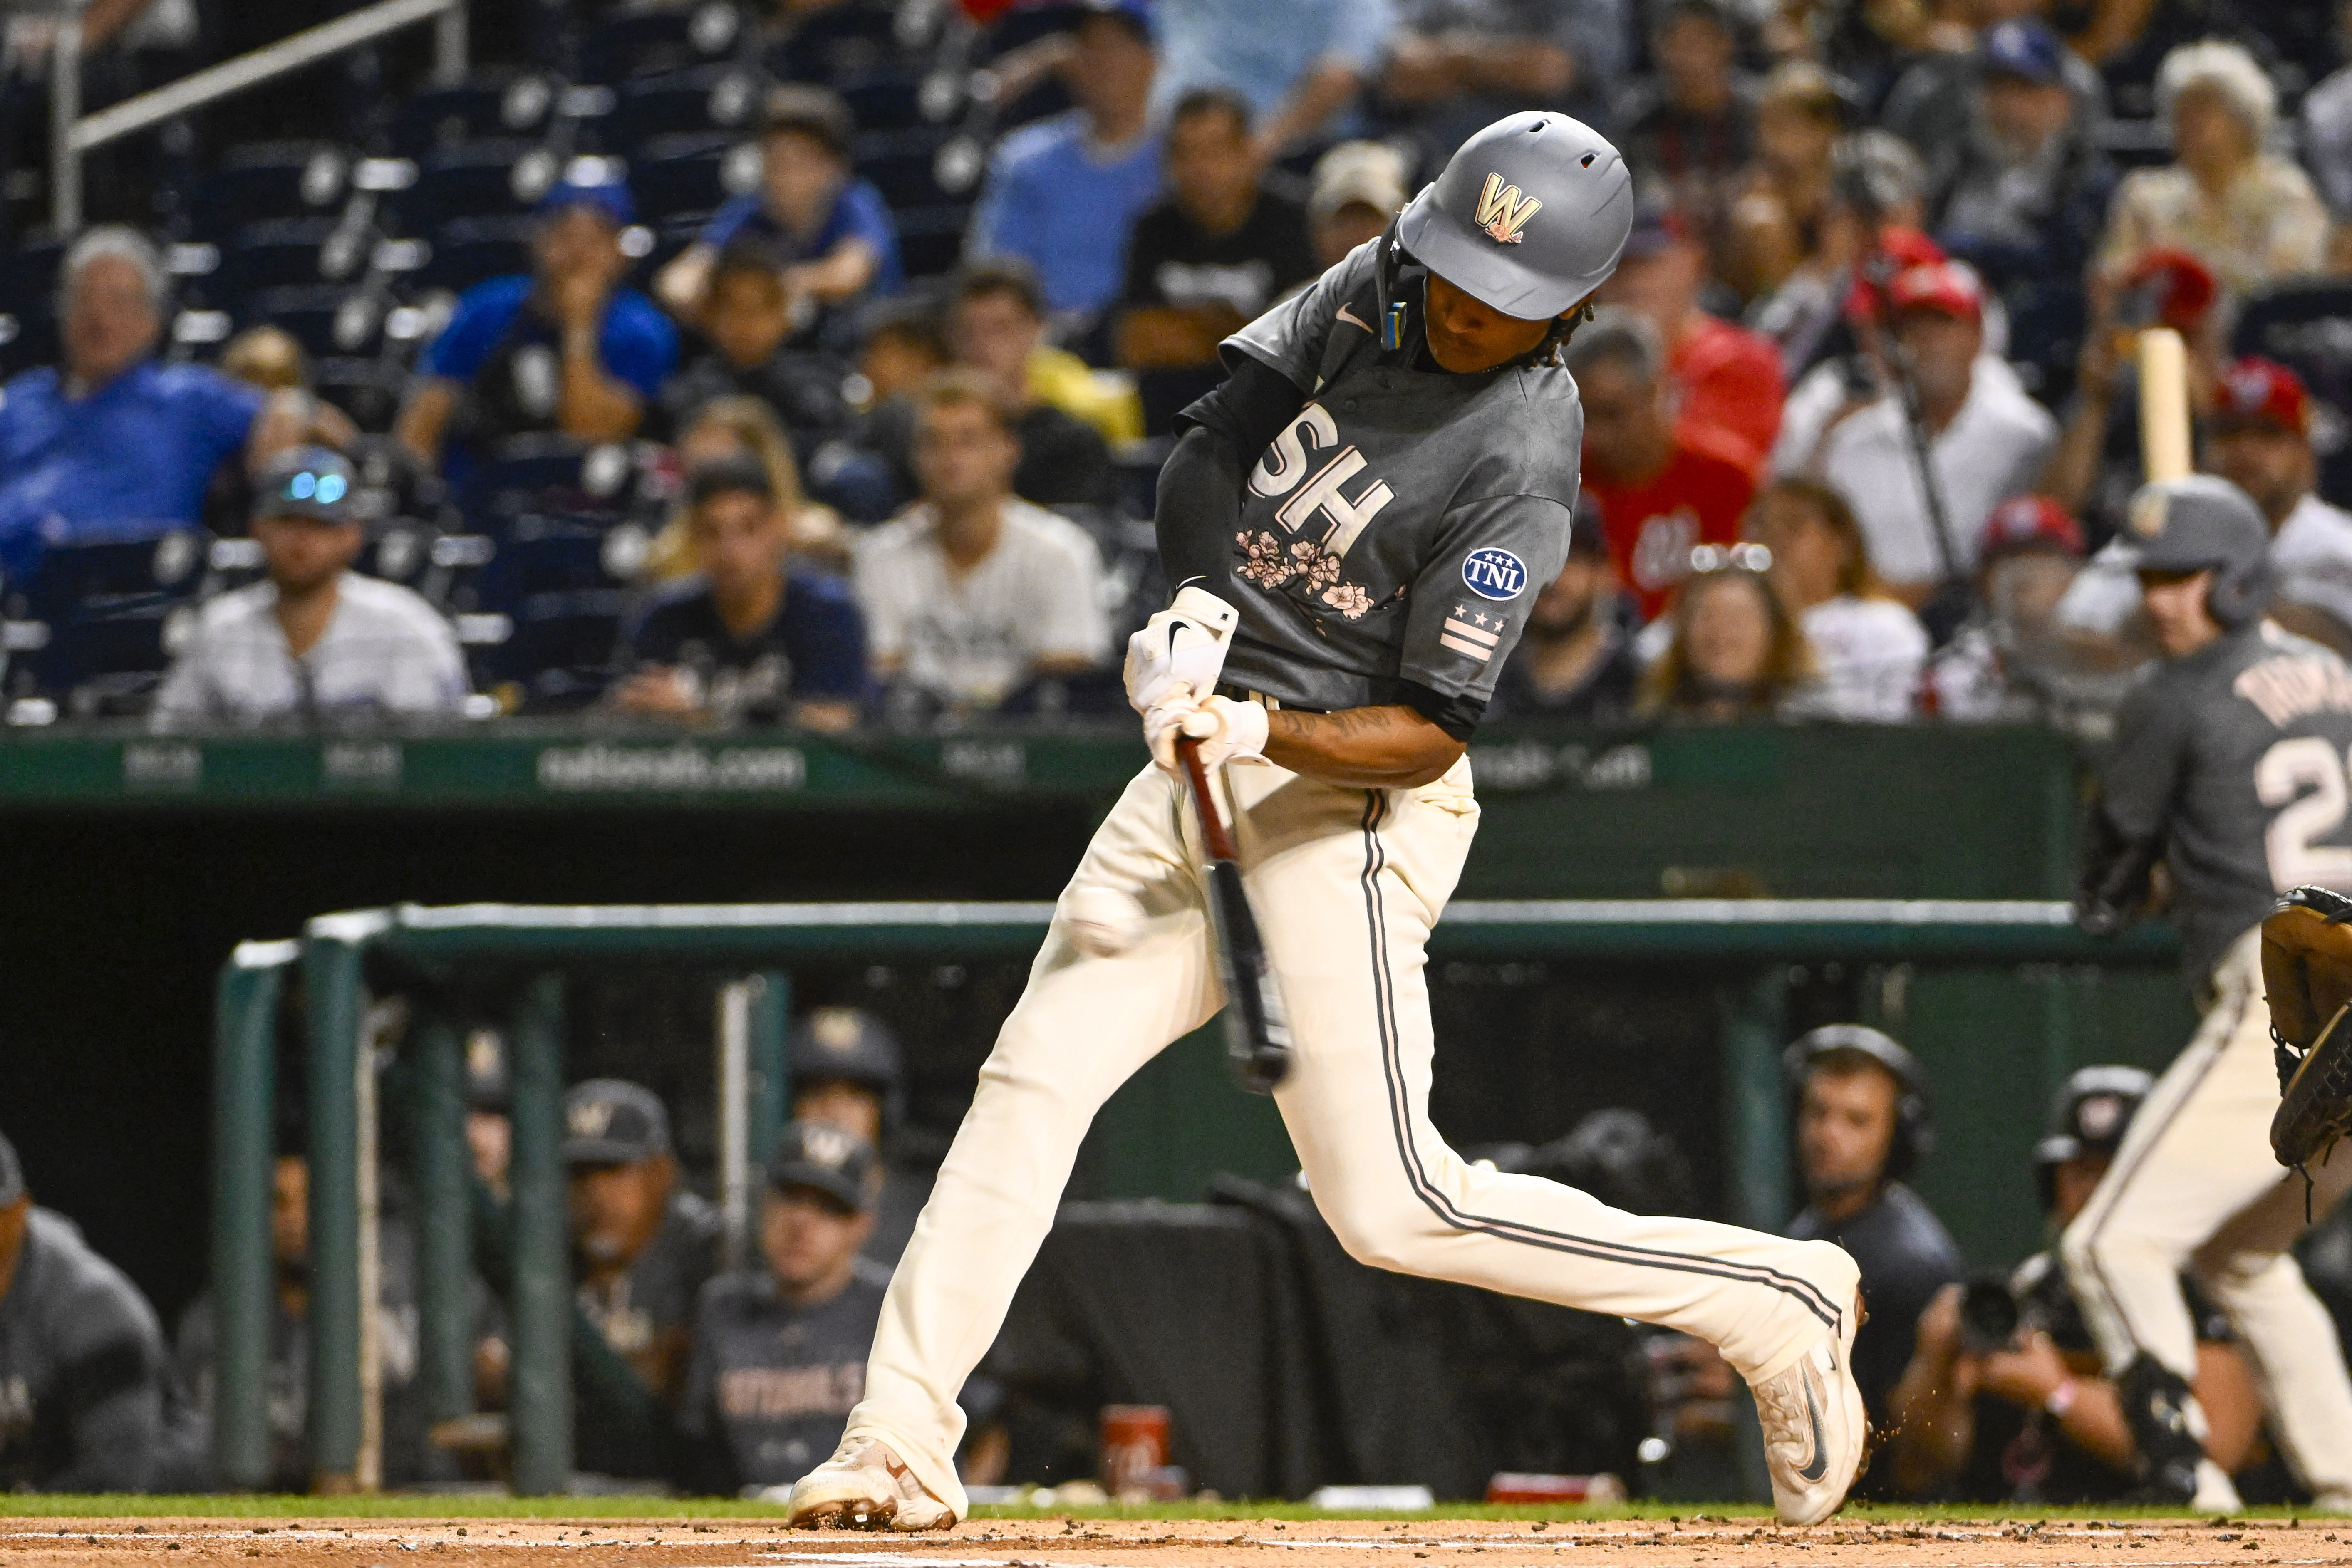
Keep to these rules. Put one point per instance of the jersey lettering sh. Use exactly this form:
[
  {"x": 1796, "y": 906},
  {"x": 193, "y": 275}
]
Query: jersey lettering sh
[{"x": 1402, "y": 524}]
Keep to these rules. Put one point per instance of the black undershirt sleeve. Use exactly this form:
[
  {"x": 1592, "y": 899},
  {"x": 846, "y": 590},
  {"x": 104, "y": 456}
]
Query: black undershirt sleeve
[
  {"x": 1199, "y": 507},
  {"x": 1457, "y": 716}
]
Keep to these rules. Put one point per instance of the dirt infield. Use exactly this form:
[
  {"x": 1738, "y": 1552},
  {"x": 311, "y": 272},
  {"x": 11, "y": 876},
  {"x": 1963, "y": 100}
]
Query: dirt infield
[{"x": 85, "y": 1542}]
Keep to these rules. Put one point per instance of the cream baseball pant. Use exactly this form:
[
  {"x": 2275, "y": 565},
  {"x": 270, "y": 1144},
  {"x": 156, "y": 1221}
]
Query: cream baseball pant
[
  {"x": 1347, "y": 884},
  {"x": 2194, "y": 1188}
]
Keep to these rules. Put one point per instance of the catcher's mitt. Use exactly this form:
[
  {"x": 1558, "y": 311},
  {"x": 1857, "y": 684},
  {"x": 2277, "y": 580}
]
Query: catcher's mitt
[{"x": 2307, "y": 974}]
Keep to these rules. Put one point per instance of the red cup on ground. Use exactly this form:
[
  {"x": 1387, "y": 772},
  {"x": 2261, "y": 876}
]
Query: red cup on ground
[{"x": 1134, "y": 1446}]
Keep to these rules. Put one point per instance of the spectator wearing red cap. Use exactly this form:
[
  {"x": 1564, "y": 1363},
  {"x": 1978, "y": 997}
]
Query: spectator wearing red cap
[
  {"x": 2249, "y": 214},
  {"x": 1725, "y": 377},
  {"x": 1662, "y": 489},
  {"x": 1988, "y": 440},
  {"x": 1868, "y": 647},
  {"x": 2258, "y": 437},
  {"x": 2009, "y": 662}
]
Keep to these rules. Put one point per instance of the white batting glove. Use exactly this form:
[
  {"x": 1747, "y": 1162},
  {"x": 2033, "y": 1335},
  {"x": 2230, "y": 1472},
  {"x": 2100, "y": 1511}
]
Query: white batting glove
[
  {"x": 1228, "y": 732},
  {"x": 1164, "y": 722},
  {"x": 1183, "y": 645}
]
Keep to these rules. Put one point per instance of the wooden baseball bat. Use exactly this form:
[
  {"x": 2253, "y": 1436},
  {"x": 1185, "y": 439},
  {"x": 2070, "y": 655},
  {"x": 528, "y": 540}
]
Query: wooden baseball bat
[
  {"x": 1257, "y": 1028},
  {"x": 2163, "y": 405}
]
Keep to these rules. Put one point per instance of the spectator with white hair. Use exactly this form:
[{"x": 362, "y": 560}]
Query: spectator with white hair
[
  {"x": 112, "y": 441},
  {"x": 2249, "y": 214}
]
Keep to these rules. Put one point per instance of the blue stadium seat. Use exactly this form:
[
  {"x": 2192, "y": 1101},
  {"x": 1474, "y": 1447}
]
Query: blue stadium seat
[
  {"x": 467, "y": 250},
  {"x": 501, "y": 175},
  {"x": 658, "y": 36},
  {"x": 549, "y": 474},
  {"x": 279, "y": 252},
  {"x": 931, "y": 239},
  {"x": 101, "y": 609},
  {"x": 369, "y": 390},
  {"x": 903, "y": 165},
  {"x": 275, "y": 179},
  {"x": 487, "y": 104},
  {"x": 888, "y": 99},
  {"x": 330, "y": 321},
  {"x": 841, "y": 42},
  {"x": 563, "y": 584},
  {"x": 674, "y": 174},
  {"x": 699, "y": 99}
]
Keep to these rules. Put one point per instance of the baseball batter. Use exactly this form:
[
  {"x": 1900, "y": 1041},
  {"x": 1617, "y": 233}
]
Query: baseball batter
[
  {"x": 1365, "y": 512},
  {"x": 2228, "y": 764}
]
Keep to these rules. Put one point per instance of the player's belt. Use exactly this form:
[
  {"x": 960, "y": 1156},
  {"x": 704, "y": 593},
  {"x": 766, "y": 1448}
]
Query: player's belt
[{"x": 1271, "y": 704}]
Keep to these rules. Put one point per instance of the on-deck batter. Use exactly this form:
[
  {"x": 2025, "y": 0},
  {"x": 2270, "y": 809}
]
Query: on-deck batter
[
  {"x": 2229, "y": 764},
  {"x": 1363, "y": 514}
]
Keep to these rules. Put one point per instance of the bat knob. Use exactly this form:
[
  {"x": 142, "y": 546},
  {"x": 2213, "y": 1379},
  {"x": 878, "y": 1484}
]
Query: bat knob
[{"x": 1263, "y": 1070}]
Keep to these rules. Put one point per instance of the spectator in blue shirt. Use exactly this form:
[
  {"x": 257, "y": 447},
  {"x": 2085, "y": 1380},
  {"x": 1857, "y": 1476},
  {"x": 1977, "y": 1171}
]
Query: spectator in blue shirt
[
  {"x": 746, "y": 640},
  {"x": 566, "y": 349},
  {"x": 1295, "y": 63},
  {"x": 110, "y": 443},
  {"x": 833, "y": 230},
  {"x": 1062, "y": 193}
]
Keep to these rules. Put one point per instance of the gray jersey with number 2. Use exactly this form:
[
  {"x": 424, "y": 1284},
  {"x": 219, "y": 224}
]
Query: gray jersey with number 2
[
  {"x": 1402, "y": 523},
  {"x": 2239, "y": 753}
]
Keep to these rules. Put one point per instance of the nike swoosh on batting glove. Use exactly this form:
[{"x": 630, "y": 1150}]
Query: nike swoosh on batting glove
[{"x": 1183, "y": 645}]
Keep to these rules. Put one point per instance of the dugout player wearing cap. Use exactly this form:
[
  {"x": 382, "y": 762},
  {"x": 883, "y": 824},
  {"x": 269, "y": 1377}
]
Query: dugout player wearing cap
[
  {"x": 81, "y": 1357},
  {"x": 1358, "y": 520},
  {"x": 2228, "y": 765},
  {"x": 780, "y": 1348},
  {"x": 848, "y": 1071}
]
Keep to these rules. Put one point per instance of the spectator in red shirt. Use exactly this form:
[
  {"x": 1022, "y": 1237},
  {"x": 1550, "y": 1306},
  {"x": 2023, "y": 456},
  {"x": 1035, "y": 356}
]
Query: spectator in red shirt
[
  {"x": 1662, "y": 489},
  {"x": 1726, "y": 378}
]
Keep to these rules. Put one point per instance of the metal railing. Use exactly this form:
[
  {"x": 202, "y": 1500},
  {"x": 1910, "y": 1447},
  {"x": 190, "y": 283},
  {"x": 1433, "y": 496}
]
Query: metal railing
[
  {"x": 72, "y": 134},
  {"x": 1741, "y": 947}
]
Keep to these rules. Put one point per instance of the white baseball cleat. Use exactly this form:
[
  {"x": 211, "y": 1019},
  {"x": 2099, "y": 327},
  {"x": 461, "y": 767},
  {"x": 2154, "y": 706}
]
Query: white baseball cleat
[
  {"x": 1814, "y": 1428},
  {"x": 863, "y": 1486}
]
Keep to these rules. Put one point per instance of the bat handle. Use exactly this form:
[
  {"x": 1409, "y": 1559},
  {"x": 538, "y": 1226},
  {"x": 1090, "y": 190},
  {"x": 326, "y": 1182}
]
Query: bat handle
[{"x": 1214, "y": 836}]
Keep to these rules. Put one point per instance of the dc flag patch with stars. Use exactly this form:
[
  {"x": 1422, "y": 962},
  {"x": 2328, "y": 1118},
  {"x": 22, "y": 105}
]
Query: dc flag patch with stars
[
  {"x": 1494, "y": 574},
  {"x": 1472, "y": 632}
]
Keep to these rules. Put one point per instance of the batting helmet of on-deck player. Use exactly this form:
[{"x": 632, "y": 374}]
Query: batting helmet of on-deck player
[
  {"x": 1529, "y": 217},
  {"x": 2089, "y": 1115},
  {"x": 2201, "y": 523}
]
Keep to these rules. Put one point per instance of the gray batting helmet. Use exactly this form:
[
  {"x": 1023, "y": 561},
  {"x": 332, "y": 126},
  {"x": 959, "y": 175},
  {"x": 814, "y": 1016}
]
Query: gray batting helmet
[
  {"x": 1527, "y": 217},
  {"x": 2200, "y": 522}
]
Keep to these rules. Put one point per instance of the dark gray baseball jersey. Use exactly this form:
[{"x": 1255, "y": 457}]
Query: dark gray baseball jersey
[
  {"x": 2237, "y": 754},
  {"x": 773, "y": 1384},
  {"x": 81, "y": 1370},
  {"x": 646, "y": 1313},
  {"x": 1402, "y": 524}
]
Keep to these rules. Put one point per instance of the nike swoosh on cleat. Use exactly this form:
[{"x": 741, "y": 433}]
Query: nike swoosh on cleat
[{"x": 1820, "y": 1466}]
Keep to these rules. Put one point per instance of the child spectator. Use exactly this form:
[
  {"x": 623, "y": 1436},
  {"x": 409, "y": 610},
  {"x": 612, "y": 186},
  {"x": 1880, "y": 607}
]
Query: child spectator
[
  {"x": 1663, "y": 488},
  {"x": 315, "y": 641},
  {"x": 1869, "y": 647},
  {"x": 1725, "y": 378},
  {"x": 746, "y": 320},
  {"x": 1062, "y": 193},
  {"x": 1736, "y": 653},
  {"x": 746, "y": 640},
  {"x": 2248, "y": 214},
  {"x": 832, "y": 229},
  {"x": 567, "y": 348},
  {"x": 973, "y": 592}
]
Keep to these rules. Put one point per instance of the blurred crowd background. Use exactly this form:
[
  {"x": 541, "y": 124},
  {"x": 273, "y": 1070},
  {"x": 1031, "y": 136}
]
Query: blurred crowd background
[{"x": 811, "y": 363}]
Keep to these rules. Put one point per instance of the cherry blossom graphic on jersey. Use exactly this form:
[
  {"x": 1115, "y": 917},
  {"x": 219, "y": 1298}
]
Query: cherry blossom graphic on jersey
[{"x": 1305, "y": 571}]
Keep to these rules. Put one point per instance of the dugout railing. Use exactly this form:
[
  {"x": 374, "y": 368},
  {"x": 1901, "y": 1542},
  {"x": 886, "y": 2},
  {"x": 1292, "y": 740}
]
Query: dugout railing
[{"x": 1742, "y": 948}]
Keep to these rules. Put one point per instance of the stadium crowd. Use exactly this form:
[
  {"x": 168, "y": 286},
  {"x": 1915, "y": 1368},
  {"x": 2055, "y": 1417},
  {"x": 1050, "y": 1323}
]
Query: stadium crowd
[{"x": 812, "y": 365}]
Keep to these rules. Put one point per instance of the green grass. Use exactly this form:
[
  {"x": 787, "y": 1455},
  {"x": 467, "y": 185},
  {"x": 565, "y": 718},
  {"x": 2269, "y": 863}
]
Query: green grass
[{"x": 477, "y": 1506}]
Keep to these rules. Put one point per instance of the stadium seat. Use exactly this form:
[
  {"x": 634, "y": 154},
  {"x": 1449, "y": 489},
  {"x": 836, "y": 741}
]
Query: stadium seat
[
  {"x": 487, "y": 104},
  {"x": 562, "y": 583},
  {"x": 467, "y": 250},
  {"x": 699, "y": 99},
  {"x": 674, "y": 174},
  {"x": 502, "y": 175},
  {"x": 369, "y": 390},
  {"x": 655, "y": 35},
  {"x": 97, "y": 613},
  {"x": 888, "y": 99},
  {"x": 905, "y": 166},
  {"x": 549, "y": 474},
  {"x": 328, "y": 321},
  {"x": 841, "y": 42},
  {"x": 275, "y": 179},
  {"x": 279, "y": 252},
  {"x": 931, "y": 239}
]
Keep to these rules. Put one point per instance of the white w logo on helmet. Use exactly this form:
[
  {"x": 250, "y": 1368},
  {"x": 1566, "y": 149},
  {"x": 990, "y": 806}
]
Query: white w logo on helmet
[{"x": 1503, "y": 211}]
